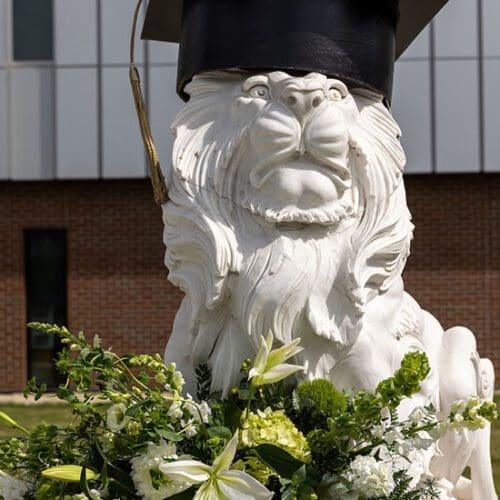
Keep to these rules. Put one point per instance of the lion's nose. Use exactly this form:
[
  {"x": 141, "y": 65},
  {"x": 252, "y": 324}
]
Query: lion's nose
[{"x": 303, "y": 102}]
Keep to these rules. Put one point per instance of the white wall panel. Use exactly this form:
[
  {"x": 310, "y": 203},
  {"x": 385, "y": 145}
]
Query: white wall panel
[
  {"x": 163, "y": 52},
  {"x": 76, "y": 122},
  {"x": 123, "y": 151},
  {"x": 75, "y": 26},
  {"x": 164, "y": 106},
  {"x": 491, "y": 31},
  {"x": 32, "y": 122},
  {"x": 4, "y": 120},
  {"x": 420, "y": 47},
  {"x": 456, "y": 29},
  {"x": 411, "y": 106},
  {"x": 457, "y": 116},
  {"x": 116, "y": 23},
  {"x": 491, "y": 116},
  {"x": 3, "y": 32}
]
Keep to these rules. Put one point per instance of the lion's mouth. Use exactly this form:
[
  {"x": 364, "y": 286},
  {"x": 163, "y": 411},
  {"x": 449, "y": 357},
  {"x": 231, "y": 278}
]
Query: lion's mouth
[{"x": 304, "y": 165}]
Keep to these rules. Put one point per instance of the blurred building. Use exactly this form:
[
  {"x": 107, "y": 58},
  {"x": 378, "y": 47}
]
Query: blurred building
[{"x": 82, "y": 239}]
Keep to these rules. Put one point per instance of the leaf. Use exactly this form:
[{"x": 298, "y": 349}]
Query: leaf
[
  {"x": 66, "y": 395},
  {"x": 299, "y": 476},
  {"x": 121, "y": 478},
  {"x": 278, "y": 459},
  {"x": 103, "y": 476},
  {"x": 41, "y": 391},
  {"x": 172, "y": 436},
  {"x": 68, "y": 473},
  {"x": 220, "y": 431},
  {"x": 232, "y": 415},
  {"x": 83, "y": 482},
  {"x": 244, "y": 394},
  {"x": 12, "y": 423},
  {"x": 134, "y": 409}
]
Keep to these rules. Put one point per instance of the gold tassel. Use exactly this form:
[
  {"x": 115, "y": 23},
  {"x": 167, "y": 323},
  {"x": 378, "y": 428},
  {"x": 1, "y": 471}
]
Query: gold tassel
[{"x": 157, "y": 180}]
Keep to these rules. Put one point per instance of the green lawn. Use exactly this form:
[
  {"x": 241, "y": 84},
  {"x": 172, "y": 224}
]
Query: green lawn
[{"x": 30, "y": 415}]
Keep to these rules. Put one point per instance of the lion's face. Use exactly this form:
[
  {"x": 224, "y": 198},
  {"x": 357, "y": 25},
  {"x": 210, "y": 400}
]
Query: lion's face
[{"x": 294, "y": 162}]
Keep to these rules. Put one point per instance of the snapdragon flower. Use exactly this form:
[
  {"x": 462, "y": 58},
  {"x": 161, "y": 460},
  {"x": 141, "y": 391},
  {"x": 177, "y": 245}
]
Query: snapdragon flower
[
  {"x": 269, "y": 365},
  {"x": 217, "y": 481}
]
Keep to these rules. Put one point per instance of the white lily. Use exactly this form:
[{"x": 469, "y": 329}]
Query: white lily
[
  {"x": 219, "y": 482},
  {"x": 269, "y": 365}
]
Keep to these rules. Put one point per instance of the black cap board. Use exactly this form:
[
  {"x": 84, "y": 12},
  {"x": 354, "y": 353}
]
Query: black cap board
[{"x": 355, "y": 40}]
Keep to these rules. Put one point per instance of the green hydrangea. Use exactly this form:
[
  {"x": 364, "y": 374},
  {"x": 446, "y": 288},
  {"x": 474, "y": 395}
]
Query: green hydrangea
[
  {"x": 260, "y": 471},
  {"x": 274, "y": 427}
]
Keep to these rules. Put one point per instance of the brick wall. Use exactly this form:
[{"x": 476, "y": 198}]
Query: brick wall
[
  {"x": 117, "y": 284},
  {"x": 454, "y": 268}
]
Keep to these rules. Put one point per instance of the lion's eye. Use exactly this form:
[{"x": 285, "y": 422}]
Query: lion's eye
[
  {"x": 335, "y": 94},
  {"x": 259, "y": 91}
]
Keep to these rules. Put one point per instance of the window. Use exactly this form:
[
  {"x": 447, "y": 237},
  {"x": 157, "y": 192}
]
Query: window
[
  {"x": 33, "y": 30},
  {"x": 45, "y": 254}
]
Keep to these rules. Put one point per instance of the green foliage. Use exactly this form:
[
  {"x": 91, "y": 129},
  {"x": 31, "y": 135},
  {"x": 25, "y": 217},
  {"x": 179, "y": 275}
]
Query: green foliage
[
  {"x": 10, "y": 449},
  {"x": 315, "y": 401},
  {"x": 402, "y": 490},
  {"x": 301, "y": 442},
  {"x": 406, "y": 381},
  {"x": 204, "y": 382}
]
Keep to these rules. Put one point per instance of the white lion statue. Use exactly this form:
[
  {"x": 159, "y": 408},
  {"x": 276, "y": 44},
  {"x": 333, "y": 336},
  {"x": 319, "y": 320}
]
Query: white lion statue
[{"x": 287, "y": 212}]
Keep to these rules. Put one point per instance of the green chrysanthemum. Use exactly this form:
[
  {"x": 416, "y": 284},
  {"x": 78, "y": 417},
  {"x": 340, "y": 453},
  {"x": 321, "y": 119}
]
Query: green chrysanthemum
[{"x": 274, "y": 427}]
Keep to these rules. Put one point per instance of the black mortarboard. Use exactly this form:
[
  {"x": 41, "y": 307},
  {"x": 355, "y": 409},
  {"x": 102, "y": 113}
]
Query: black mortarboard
[{"x": 355, "y": 40}]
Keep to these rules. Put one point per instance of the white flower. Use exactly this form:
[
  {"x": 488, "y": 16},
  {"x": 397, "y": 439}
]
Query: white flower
[
  {"x": 144, "y": 465},
  {"x": 200, "y": 412},
  {"x": 417, "y": 415},
  {"x": 85, "y": 352},
  {"x": 107, "y": 441},
  {"x": 370, "y": 477},
  {"x": 217, "y": 481},
  {"x": 177, "y": 381},
  {"x": 175, "y": 411},
  {"x": 12, "y": 488},
  {"x": 440, "y": 430},
  {"x": 94, "y": 495},
  {"x": 269, "y": 365},
  {"x": 191, "y": 431},
  {"x": 393, "y": 436},
  {"x": 205, "y": 411},
  {"x": 458, "y": 406},
  {"x": 116, "y": 418},
  {"x": 422, "y": 440},
  {"x": 378, "y": 431}
]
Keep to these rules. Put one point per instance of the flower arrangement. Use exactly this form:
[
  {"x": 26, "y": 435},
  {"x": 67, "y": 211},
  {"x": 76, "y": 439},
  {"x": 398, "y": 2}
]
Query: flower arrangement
[{"x": 136, "y": 435}]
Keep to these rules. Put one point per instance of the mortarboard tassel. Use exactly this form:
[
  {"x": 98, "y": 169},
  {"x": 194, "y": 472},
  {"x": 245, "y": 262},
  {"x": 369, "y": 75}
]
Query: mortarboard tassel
[{"x": 157, "y": 180}]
